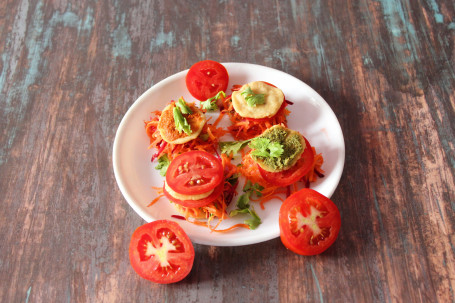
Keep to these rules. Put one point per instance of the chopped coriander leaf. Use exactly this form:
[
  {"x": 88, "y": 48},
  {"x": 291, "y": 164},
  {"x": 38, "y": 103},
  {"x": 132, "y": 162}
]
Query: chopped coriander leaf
[
  {"x": 232, "y": 147},
  {"x": 244, "y": 200},
  {"x": 239, "y": 211},
  {"x": 281, "y": 158},
  {"x": 253, "y": 222},
  {"x": 163, "y": 164},
  {"x": 255, "y": 188},
  {"x": 184, "y": 108},
  {"x": 220, "y": 93},
  {"x": 247, "y": 92},
  {"x": 243, "y": 204},
  {"x": 251, "y": 98},
  {"x": 262, "y": 147},
  {"x": 276, "y": 149},
  {"x": 210, "y": 103},
  {"x": 233, "y": 179},
  {"x": 181, "y": 124}
]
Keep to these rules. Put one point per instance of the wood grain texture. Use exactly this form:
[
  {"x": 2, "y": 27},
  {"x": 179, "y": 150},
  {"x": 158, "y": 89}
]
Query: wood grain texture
[{"x": 69, "y": 70}]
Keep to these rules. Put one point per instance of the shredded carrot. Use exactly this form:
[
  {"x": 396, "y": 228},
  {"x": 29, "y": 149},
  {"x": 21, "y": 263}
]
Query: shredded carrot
[
  {"x": 296, "y": 187},
  {"x": 220, "y": 116},
  {"x": 243, "y": 129},
  {"x": 155, "y": 200},
  {"x": 159, "y": 190},
  {"x": 232, "y": 227},
  {"x": 316, "y": 171},
  {"x": 268, "y": 198},
  {"x": 249, "y": 170}
]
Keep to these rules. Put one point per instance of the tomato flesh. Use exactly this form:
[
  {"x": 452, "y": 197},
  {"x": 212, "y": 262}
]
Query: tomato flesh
[
  {"x": 161, "y": 252},
  {"x": 194, "y": 173},
  {"x": 309, "y": 222},
  {"x": 293, "y": 174},
  {"x": 206, "y": 78}
]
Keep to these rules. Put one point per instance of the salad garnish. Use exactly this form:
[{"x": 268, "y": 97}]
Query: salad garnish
[
  {"x": 210, "y": 103},
  {"x": 244, "y": 207},
  {"x": 263, "y": 147},
  {"x": 251, "y": 98},
  {"x": 181, "y": 124},
  {"x": 184, "y": 108},
  {"x": 231, "y": 148},
  {"x": 163, "y": 164}
]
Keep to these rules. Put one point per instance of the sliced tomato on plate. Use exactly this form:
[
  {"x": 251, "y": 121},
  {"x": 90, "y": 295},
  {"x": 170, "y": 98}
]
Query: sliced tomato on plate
[
  {"x": 194, "y": 173},
  {"x": 196, "y": 203},
  {"x": 161, "y": 252},
  {"x": 206, "y": 78},
  {"x": 309, "y": 222},
  {"x": 293, "y": 174}
]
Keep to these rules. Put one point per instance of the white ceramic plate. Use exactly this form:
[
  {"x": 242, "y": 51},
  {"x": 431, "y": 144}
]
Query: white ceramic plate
[{"x": 135, "y": 174}]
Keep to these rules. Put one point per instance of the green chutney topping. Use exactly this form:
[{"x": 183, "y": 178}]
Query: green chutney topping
[{"x": 292, "y": 144}]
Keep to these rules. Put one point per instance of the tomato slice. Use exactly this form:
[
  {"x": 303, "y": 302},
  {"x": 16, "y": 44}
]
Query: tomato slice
[
  {"x": 309, "y": 222},
  {"x": 295, "y": 173},
  {"x": 206, "y": 78},
  {"x": 196, "y": 203},
  {"x": 194, "y": 173},
  {"x": 161, "y": 252}
]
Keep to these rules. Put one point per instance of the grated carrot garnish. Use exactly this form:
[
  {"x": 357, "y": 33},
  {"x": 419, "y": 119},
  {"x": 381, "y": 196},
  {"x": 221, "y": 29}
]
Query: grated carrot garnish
[
  {"x": 155, "y": 200},
  {"x": 267, "y": 199}
]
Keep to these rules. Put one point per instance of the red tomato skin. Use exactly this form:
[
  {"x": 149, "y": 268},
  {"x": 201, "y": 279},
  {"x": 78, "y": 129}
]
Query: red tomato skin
[
  {"x": 149, "y": 269},
  {"x": 179, "y": 181},
  {"x": 206, "y": 78},
  {"x": 197, "y": 203},
  {"x": 295, "y": 173},
  {"x": 299, "y": 244}
]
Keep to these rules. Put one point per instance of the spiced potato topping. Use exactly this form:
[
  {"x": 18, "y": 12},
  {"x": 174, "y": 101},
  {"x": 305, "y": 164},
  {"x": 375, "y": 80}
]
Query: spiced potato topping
[{"x": 169, "y": 132}]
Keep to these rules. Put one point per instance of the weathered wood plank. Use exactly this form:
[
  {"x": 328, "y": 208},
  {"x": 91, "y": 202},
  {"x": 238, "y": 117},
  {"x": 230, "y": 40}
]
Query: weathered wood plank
[{"x": 69, "y": 70}]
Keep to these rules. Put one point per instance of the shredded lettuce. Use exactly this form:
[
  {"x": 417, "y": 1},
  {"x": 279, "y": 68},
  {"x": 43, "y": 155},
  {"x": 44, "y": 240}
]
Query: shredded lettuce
[
  {"x": 181, "y": 124},
  {"x": 184, "y": 108},
  {"x": 163, "y": 164}
]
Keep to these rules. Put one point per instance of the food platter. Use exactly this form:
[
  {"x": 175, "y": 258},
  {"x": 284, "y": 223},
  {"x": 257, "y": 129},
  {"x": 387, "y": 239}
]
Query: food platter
[{"x": 136, "y": 176}]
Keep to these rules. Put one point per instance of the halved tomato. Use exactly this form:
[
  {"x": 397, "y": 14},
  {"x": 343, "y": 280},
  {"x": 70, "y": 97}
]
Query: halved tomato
[
  {"x": 295, "y": 173},
  {"x": 196, "y": 203},
  {"x": 206, "y": 78},
  {"x": 161, "y": 252},
  {"x": 194, "y": 173},
  {"x": 309, "y": 222}
]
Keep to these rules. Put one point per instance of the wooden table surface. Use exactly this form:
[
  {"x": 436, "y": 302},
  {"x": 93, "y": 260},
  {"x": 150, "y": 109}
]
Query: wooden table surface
[{"x": 69, "y": 71}]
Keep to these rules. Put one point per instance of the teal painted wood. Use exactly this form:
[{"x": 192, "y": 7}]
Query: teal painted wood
[{"x": 69, "y": 70}]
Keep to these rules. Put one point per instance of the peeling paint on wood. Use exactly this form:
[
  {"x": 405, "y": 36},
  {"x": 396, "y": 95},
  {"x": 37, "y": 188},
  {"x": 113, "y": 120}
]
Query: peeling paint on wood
[{"x": 69, "y": 70}]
